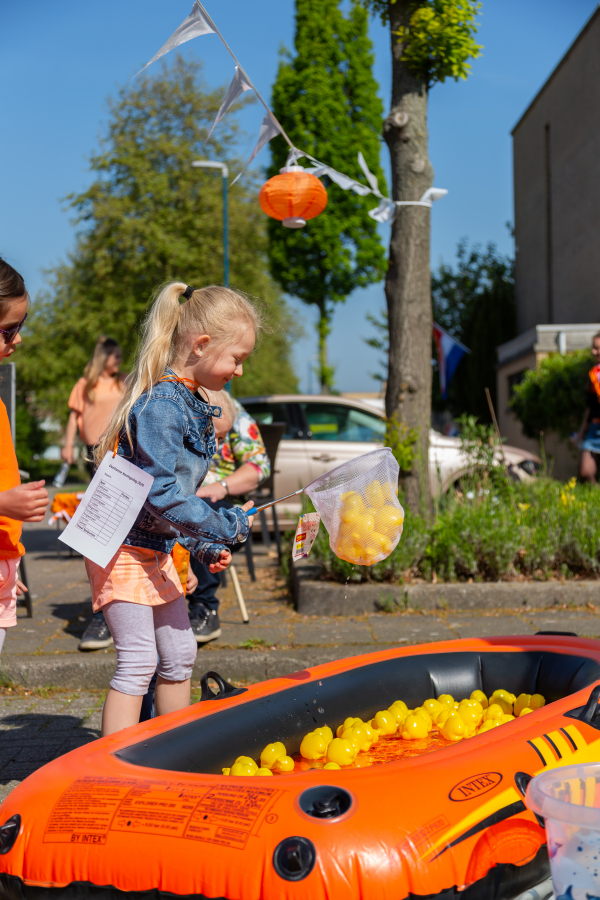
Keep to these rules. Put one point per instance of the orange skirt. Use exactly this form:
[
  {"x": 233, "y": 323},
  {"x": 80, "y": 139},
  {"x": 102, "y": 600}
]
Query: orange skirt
[{"x": 134, "y": 576}]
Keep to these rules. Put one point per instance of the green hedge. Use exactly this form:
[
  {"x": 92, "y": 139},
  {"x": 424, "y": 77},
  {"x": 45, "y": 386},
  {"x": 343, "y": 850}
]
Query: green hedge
[
  {"x": 535, "y": 529},
  {"x": 552, "y": 396}
]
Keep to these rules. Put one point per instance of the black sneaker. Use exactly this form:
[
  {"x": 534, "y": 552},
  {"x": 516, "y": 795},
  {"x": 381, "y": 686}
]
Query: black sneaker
[
  {"x": 96, "y": 636},
  {"x": 205, "y": 624}
]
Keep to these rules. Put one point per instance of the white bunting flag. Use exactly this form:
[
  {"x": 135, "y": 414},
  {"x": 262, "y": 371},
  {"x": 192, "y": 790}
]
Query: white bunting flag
[
  {"x": 269, "y": 128},
  {"x": 194, "y": 26},
  {"x": 237, "y": 87},
  {"x": 385, "y": 212},
  {"x": 344, "y": 181},
  {"x": 372, "y": 179}
]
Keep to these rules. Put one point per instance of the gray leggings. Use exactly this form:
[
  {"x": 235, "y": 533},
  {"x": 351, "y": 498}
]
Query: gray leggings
[{"x": 140, "y": 634}]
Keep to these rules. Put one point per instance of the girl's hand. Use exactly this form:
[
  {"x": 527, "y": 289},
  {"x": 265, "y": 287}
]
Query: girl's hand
[
  {"x": 67, "y": 455},
  {"x": 192, "y": 582},
  {"x": 246, "y": 507},
  {"x": 25, "y": 502},
  {"x": 20, "y": 588},
  {"x": 223, "y": 563}
]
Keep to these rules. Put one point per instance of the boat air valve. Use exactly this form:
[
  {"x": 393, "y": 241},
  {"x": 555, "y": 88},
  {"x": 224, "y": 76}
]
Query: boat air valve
[
  {"x": 325, "y": 802},
  {"x": 9, "y": 832},
  {"x": 294, "y": 858}
]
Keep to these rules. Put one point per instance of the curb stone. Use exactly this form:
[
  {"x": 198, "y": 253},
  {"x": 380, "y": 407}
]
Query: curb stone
[
  {"x": 327, "y": 598},
  {"x": 95, "y": 672}
]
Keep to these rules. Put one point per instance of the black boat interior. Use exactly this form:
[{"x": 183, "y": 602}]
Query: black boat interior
[{"x": 202, "y": 746}]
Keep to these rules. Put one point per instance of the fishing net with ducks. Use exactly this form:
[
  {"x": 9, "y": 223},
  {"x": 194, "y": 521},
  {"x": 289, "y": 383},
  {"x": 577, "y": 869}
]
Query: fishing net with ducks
[{"x": 359, "y": 506}]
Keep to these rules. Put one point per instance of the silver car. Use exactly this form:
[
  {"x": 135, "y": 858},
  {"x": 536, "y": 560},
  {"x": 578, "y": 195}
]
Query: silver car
[{"x": 323, "y": 432}]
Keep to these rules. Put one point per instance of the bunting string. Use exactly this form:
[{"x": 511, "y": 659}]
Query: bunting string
[{"x": 199, "y": 23}]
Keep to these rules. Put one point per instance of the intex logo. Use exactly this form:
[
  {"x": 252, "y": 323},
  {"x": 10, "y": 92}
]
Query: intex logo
[{"x": 474, "y": 786}]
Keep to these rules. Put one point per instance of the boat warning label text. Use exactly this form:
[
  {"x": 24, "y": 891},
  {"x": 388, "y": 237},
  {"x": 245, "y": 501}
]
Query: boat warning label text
[{"x": 92, "y": 807}]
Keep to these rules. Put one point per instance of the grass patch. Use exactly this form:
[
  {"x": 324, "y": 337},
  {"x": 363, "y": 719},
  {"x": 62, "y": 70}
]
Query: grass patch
[{"x": 253, "y": 644}]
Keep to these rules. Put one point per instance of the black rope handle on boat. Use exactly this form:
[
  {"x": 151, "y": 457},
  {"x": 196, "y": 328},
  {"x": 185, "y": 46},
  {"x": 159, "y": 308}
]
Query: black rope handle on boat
[
  {"x": 588, "y": 711},
  {"x": 225, "y": 688}
]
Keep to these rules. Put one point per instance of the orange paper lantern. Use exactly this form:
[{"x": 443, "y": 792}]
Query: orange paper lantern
[{"x": 293, "y": 197}]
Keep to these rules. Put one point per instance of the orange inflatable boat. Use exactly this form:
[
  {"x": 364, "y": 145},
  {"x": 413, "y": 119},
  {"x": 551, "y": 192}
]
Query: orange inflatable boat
[{"x": 146, "y": 813}]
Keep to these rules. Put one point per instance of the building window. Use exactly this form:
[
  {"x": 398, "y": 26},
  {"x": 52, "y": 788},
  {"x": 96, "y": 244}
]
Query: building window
[{"x": 513, "y": 380}]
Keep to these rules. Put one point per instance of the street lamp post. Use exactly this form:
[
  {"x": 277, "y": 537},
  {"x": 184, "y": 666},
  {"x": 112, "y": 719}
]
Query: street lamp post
[{"x": 210, "y": 164}]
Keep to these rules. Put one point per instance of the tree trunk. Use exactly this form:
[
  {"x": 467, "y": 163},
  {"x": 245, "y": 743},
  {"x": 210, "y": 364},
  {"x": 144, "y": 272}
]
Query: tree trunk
[
  {"x": 408, "y": 280},
  {"x": 324, "y": 330}
]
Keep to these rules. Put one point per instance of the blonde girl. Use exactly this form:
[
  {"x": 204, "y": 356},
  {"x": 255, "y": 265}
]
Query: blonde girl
[{"x": 163, "y": 424}]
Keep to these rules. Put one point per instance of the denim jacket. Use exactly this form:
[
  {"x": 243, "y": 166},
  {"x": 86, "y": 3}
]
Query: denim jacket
[{"x": 173, "y": 439}]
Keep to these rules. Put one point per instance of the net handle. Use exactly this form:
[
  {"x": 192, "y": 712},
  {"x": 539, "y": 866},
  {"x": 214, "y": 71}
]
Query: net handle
[{"x": 255, "y": 509}]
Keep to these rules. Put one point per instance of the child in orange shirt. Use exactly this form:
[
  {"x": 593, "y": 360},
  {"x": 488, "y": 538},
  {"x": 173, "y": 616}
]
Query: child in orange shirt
[{"x": 18, "y": 502}]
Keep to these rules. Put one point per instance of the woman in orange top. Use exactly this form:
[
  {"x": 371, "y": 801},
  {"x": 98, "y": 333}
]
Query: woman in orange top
[
  {"x": 18, "y": 502},
  {"x": 94, "y": 398}
]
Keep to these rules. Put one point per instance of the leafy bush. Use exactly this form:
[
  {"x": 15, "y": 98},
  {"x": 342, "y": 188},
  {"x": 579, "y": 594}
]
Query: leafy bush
[
  {"x": 552, "y": 397},
  {"x": 501, "y": 531}
]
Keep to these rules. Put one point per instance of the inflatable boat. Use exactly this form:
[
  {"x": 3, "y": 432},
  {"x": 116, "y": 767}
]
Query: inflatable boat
[{"x": 146, "y": 812}]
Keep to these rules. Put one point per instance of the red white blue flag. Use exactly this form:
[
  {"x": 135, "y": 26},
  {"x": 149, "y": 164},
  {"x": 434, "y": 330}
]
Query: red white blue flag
[{"x": 449, "y": 354}]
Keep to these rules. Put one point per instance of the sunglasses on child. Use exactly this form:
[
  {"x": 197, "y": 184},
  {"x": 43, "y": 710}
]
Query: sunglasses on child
[{"x": 11, "y": 334}]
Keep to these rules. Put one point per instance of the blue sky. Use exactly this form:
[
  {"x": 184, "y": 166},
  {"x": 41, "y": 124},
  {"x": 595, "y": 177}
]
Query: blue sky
[{"x": 61, "y": 60}]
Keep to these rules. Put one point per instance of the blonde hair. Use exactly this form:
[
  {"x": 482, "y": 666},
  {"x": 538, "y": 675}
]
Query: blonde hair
[
  {"x": 228, "y": 410},
  {"x": 219, "y": 312},
  {"x": 104, "y": 349}
]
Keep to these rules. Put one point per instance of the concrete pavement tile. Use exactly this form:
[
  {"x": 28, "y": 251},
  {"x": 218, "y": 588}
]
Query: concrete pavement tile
[
  {"x": 237, "y": 665},
  {"x": 27, "y": 638},
  {"x": 20, "y": 772},
  {"x": 488, "y": 626},
  {"x": 94, "y": 723},
  {"x": 331, "y": 631},
  {"x": 49, "y": 707},
  {"x": 40, "y": 751},
  {"x": 582, "y": 624},
  {"x": 409, "y": 629},
  {"x": 62, "y": 723},
  {"x": 81, "y": 708},
  {"x": 63, "y": 642},
  {"x": 235, "y": 635},
  {"x": 5, "y": 789},
  {"x": 19, "y": 709}
]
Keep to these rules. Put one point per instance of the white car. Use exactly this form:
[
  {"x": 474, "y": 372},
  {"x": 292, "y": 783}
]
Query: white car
[{"x": 324, "y": 432}]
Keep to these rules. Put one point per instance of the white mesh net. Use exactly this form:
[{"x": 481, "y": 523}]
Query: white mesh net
[{"x": 358, "y": 504}]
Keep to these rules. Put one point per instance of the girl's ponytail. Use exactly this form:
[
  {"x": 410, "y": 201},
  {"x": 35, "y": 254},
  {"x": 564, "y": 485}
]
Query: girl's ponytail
[
  {"x": 158, "y": 332},
  {"x": 154, "y": 354}
]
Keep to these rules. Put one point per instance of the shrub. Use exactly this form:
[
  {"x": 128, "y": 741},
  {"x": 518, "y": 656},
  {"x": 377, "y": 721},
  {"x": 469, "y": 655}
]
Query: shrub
[
  {"x": 499, "y": 531},
  {"x": 552, "y": 397}
]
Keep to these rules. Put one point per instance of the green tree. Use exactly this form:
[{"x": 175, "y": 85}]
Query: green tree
[
  {"x": 149, "y": 217},
  {"x": 431, "y": 40},
  {"x": 325, "y": 96},
  {"x": 552, "y": 396},
  {"x": 475, "y": 303}
]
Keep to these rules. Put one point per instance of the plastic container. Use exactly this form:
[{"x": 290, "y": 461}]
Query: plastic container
[
  {"x": 61, "y": 475},
  {"x": 568, "y": 798}
]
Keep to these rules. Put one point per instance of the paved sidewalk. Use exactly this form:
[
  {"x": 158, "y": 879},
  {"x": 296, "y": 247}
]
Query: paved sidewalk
[{"x": 35, "y": 730}]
